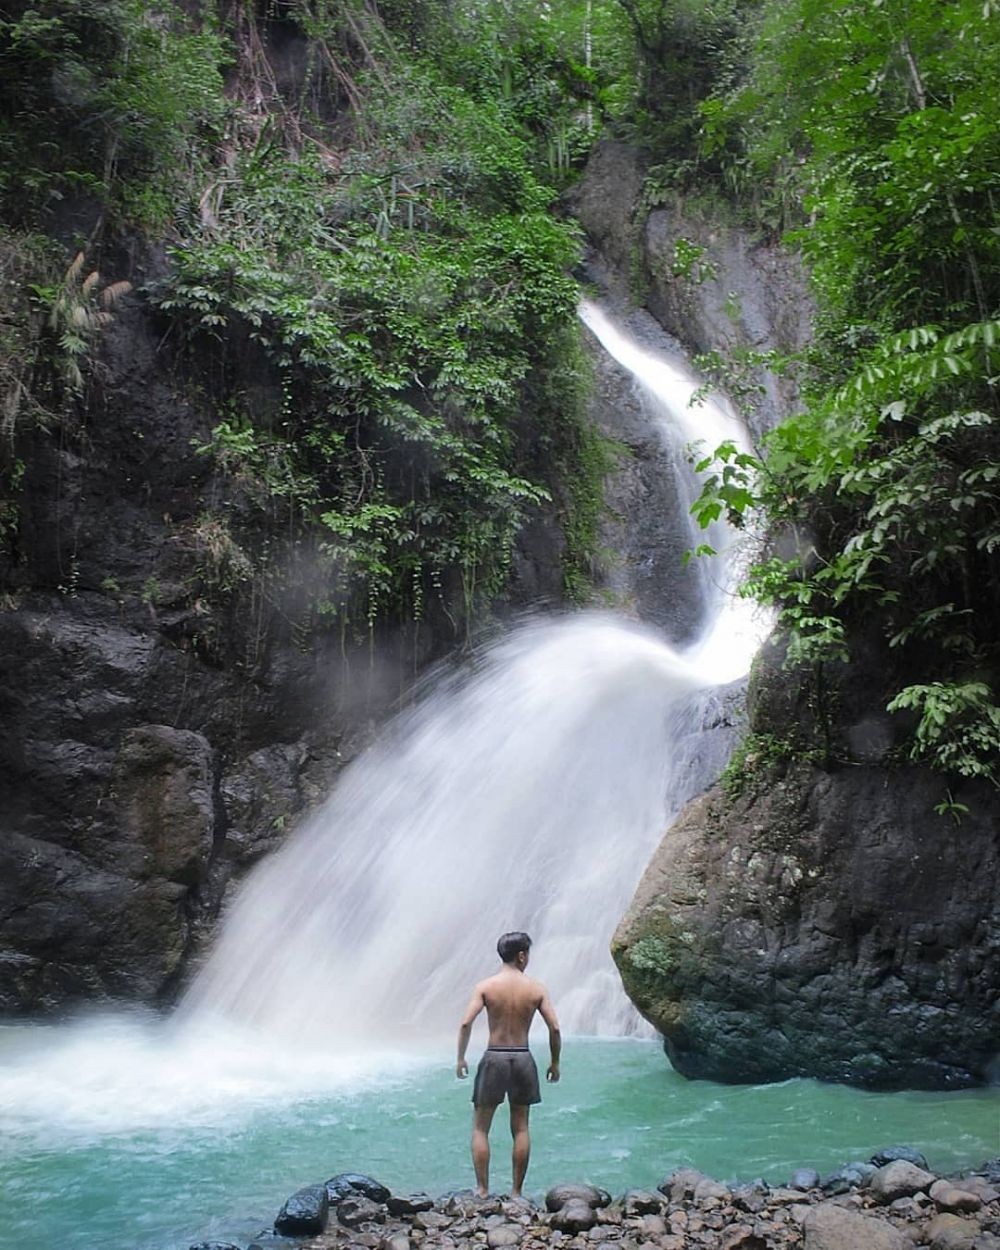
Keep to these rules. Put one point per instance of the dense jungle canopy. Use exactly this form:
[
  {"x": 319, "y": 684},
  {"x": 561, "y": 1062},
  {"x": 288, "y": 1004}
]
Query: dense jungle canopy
[{"x": 358, "y": 205}]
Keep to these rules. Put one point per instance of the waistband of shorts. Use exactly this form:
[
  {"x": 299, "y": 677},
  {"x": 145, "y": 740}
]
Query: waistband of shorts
[{"x": 507, "y": 1048}]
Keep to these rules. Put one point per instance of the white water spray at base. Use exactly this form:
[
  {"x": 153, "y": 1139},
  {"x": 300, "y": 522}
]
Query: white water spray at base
[{"x": 527, "y": 797}]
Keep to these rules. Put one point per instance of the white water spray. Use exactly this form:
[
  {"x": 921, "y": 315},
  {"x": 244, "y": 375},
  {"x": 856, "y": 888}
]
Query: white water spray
[{"x": 528, "y": 796}]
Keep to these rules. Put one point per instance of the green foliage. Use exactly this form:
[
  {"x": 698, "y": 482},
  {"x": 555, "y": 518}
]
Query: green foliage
[
  {"x": 409, "y": 302},
  {"x": 102, "y": 96},
  {"x": 884, "y": 498},
  {"x": 881, "y": 498},
  {"x": 75, "y": 310},
  {"x": 959, "y": 727},
  {"x": 752, "y": 764}
]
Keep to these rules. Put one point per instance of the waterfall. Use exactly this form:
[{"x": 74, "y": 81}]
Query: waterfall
[{"x": 525, "y": 791}]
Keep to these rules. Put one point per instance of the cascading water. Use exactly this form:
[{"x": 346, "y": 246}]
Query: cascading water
[{"x": 527, "y": 795}]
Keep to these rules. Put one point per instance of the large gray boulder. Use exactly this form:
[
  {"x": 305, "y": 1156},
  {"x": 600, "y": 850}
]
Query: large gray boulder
[{"x": 822, "y": 921}]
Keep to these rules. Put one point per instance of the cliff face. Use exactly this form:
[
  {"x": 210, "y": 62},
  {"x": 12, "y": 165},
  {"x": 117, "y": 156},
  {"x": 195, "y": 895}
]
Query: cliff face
[
  {"x": 822, "y": 922},
  {"x": 158, "y": 732},
  {"x": 722, "y": 290}
]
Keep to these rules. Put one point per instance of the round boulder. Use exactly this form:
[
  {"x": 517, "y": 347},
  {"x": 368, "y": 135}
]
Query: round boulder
[
  {"x": 559, "y": 1195},
  {"x": 575, "y": 1216},
  {"x": 503, "y": 1236},
  {"x": 804, "y": 1179},
  {"x": 900, "y": 1179}
]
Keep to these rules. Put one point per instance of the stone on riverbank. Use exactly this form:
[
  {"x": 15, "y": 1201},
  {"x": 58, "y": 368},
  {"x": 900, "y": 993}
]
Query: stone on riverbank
[
  {"x": 349, "y": 1184},
  {"x": 832, "y": 1227},
  {"x": 305, "y": 1213},
  {"x": 357, "y": 1211},
  {"x": 900, "y": 1179},
  {"x": 559, "y": 1195},
  {"x": 408, "y": 1204},
  {"x": 574, "y": 1216}
]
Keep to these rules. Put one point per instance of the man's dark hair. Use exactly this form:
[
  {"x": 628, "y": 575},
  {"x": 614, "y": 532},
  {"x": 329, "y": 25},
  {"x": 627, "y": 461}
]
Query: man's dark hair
[{"x": 511, "y": 945}]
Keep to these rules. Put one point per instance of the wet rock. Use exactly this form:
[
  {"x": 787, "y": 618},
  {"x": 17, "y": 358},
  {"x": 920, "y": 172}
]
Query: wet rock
[
  {"x": 950, "y": 1197},
  {"x": 781, "y": 1197},
  {"x": 805, "y": 1178},
  {"x": 408, "y": 1204},
  {"x": 574, "y": 1216},
  {"x": 215, "y": 1245},
  {"x": 951, "y": 1232},
  {"x": 355, "y": 1211},
  {"x": 899, "y": 1179},
  {"x": 504, "y": 1235},
  {"x": 741, "y": 1237},
  {"x": 751, "y": 1198},
  {"x": 652, "y": 1226},
  {"x": 518, "y": 1210},
  {"x": 891, "y": 1153},
  {"x": 641, "y": 1202},
  {"x": 305, "y": 1213},
  {"x": 850, "y": 1176},
  {"x": 744, "y": 1008},
  {"x": 559, "y": 1195},
  {"x": 431, "y": 1221},
  {"x": 395, "y": 1241},
  {"x": 980, "y": 1186},
  {"x": 681, "y": 1183},
  {"x": 832, "y": 1227},
  {"x": 466, "y": 1202},
  {"x": 708, "y": 1191},
  {"x": 349, "y": 1184}
]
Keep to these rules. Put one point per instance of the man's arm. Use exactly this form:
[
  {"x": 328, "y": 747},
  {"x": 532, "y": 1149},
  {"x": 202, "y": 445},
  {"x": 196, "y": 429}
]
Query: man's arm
[
  {"x": 476, "y": 1003},
  {"x": 548, "y": 1014}
]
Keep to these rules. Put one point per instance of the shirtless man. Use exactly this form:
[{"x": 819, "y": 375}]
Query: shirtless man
[{"x": 507, "y": 1069}]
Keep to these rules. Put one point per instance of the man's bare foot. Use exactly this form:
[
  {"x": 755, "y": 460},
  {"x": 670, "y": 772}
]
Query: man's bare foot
[{"x": 482, "y": 1193}]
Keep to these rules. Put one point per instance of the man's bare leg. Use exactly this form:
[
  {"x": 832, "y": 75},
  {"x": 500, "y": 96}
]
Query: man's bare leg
[
  {"x": 522, "y": 1146},
  {"x": 482, "y": 1118}
]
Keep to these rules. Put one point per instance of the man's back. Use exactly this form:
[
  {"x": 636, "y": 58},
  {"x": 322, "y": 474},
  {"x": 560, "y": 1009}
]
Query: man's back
[{"x": 511, "y": 1000}]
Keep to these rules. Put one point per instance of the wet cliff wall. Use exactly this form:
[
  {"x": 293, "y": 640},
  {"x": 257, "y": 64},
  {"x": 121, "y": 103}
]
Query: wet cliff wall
[{"x": 163, "y": 727}]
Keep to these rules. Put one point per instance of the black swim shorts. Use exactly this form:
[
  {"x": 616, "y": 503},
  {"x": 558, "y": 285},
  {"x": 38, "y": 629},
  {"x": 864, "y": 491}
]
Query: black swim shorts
[{"x": 506, "y": 1072}]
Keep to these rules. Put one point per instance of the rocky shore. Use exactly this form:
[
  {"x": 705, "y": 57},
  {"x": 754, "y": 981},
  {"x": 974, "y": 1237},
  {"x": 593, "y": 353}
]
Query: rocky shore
[{"x": 890, "y": 1202}]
